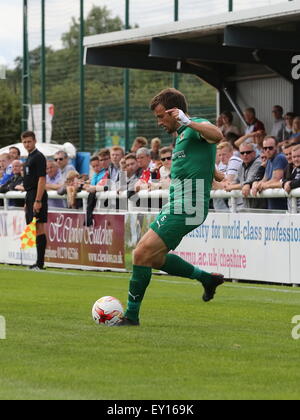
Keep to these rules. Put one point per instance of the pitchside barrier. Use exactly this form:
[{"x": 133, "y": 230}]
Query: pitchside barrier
[{"x": 253, "y": 245}]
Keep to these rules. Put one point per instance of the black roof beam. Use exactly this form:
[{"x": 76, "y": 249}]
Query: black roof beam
[
  {"x": 261, "y": 39},
  {"x": 173, "y": 48},
  {"x": 139, "y": 59}
]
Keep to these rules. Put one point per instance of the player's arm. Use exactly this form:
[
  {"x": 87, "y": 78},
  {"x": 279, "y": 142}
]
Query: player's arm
[
  {"x": 208, "y": 131},
  {"x": 39, "y": 195}
]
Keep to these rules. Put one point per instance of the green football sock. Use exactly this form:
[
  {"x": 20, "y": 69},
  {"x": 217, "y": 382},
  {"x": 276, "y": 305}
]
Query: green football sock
[
  {"x": 139, "y": 282},
  {"x": 176, "y": 266}
]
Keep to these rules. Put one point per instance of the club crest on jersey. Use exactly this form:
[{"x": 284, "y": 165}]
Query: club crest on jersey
[{"x": 181, "y": 137}]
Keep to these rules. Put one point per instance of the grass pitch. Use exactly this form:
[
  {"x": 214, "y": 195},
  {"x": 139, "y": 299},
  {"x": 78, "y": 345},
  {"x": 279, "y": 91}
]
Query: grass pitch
[{"x": 238, "y": 346}]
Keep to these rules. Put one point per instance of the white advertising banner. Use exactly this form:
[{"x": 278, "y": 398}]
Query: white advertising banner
[
  {"x": 294, "y": 239},
  {"x": 254, "y": 247},
  {"x": 12, "y": 225},
  {"x": 244, "y": 246}
]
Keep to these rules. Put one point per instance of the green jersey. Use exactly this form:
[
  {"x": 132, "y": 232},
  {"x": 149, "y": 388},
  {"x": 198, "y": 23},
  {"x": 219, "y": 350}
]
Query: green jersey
[
  {"x": 193, "y": 162},
  {"x": 193, "y": 159}
]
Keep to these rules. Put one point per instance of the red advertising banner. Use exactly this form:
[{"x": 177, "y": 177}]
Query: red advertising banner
[{"x": 70, "y": 243}]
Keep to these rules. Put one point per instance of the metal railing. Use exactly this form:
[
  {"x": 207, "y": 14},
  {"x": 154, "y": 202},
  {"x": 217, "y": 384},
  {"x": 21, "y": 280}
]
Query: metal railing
[{"x": 145, "y": 199}]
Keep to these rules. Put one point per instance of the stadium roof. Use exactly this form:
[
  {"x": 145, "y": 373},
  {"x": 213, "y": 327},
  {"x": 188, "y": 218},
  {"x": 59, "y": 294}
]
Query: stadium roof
[{"x": 217, "y": 48}]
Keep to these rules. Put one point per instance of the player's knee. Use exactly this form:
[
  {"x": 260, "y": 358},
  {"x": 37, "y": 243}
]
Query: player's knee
[{"x": 143, "y": 255}]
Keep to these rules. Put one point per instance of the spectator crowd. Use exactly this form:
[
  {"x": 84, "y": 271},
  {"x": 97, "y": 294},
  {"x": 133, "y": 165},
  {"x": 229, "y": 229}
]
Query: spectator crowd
[{"x": 250, "y": 161}]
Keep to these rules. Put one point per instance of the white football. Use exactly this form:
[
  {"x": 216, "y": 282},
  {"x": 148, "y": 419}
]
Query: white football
[{"x": 107, "y": 311}]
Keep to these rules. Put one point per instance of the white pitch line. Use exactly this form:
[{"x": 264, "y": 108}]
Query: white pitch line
[{"x": 185, "y": 282}]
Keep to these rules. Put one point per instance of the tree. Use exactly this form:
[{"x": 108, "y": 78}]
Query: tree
[
  {"x": 98, "y": 21},
  {"x": 10, "y": 115}
]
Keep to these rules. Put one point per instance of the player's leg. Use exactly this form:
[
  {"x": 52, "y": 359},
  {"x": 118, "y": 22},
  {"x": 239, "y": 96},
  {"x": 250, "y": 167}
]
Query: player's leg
[
  {"x": 41, "y": 244},
  {"x": 176, "y": 266},
  {"x": 171, "y": 229},
  {"x": 41, "y": 238},
  {"x": 150, "y": 252}
]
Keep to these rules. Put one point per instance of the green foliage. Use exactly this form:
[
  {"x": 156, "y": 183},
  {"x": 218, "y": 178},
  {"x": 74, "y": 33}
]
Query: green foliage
[
  {"x": 98, "y": 21},
  {"x": 10, "y": 113},
  {"x": 104, "y": 89}
]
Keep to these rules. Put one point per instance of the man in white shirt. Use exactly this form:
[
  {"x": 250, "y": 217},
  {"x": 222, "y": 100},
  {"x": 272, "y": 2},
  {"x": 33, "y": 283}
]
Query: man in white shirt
[
  {"x": 62, "y": 160},
  {"x": 230, "y": 166}
]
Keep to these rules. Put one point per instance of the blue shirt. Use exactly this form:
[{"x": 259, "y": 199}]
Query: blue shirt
[
  {"x": 278, "y": 162},
  {"x": 6, "y": 177},
  {"x": 98, "y": 177}
]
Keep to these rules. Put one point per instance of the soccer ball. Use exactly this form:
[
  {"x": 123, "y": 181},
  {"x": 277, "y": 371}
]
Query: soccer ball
[{"x": 107, "y": 311}]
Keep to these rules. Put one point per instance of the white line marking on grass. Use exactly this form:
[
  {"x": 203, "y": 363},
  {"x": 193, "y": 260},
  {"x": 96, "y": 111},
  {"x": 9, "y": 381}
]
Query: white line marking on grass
[{"x": 185, "y": 282}]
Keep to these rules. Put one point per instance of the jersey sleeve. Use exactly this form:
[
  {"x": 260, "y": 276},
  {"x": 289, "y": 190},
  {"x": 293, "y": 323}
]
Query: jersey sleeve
[{"x": 41, "y": 166}]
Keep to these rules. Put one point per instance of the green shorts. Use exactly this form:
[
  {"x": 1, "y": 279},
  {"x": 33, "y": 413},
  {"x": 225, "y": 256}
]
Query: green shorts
[{"x": 172, "y": 228}]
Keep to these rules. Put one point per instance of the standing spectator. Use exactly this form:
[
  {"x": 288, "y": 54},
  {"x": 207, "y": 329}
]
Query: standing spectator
[
  {"x": 62, "y": 160},
  {"x": 278, "y": 124},
  {"x": 123, "y": 166},
  {"x": 293, "y": 181},
  {"x": 295, "y": 136},
  {"x": 143, "y": 157},
  {"x": 14, "y": 183},
  {"x": 36, "y": 202},
  {"x": 256, "y": 137},
  {"x": 246, "y": 175},
  {"x": 138, "y": 143},
  {"x": 155, "y": 147},
  {"x": 71, "y": 187},
  {"x": 133, "y": 173},
  {"x": 253, "y": 124},
  {"x": 14, "y": 154},
  {"x": 116, "y": 154},
  {"x": 100, "y": 173},
  {"x": 231, "y": 164},
  {"x": 4, "y": 162},
  {"x": 54, "y": 182},
  {"x": 287, "y": 129},
  {"x": 227, "y": 126},
  {"x": 230, "y": 161},
  {"x": 165, "y": 169},
  {"x": 275, "y": 168}
]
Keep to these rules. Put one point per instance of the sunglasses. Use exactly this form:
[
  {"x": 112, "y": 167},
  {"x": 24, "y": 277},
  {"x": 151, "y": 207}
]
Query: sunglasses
[
  {"x": 247, "y": 152},
  {"x": 166, "y": 158},
  {"x": 59, "y": 159},
  {"x": 269, "y": 148}
]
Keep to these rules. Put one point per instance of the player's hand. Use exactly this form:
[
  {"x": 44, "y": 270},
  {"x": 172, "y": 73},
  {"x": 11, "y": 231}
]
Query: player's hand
[
  {"x": 180, "y": 116},
  {"x": 37, "y": 207}
]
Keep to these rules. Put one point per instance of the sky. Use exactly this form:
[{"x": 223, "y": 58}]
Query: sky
[{"x": 59, "y": 14}]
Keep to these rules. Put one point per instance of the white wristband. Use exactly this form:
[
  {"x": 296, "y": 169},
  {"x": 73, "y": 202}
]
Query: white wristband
[{"x": 183, "y": 119}]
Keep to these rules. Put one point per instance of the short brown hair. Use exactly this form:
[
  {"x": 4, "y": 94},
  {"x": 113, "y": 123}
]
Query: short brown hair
[
  {"x": 104, "y": 153},
  {"x": 170, "y": 98},
  {"x": 141, "y": 140},
  {"x": 94, "y": 158},
  {"x": 26, "y": 134},
  {"x": 117, "y": 149},
  {"x": 130, "y": 156},
  {"x": 165, "y": 150}
]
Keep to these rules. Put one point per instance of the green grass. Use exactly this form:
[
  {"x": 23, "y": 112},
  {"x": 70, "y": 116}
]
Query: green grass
[{"x": 237, "y": 347}]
